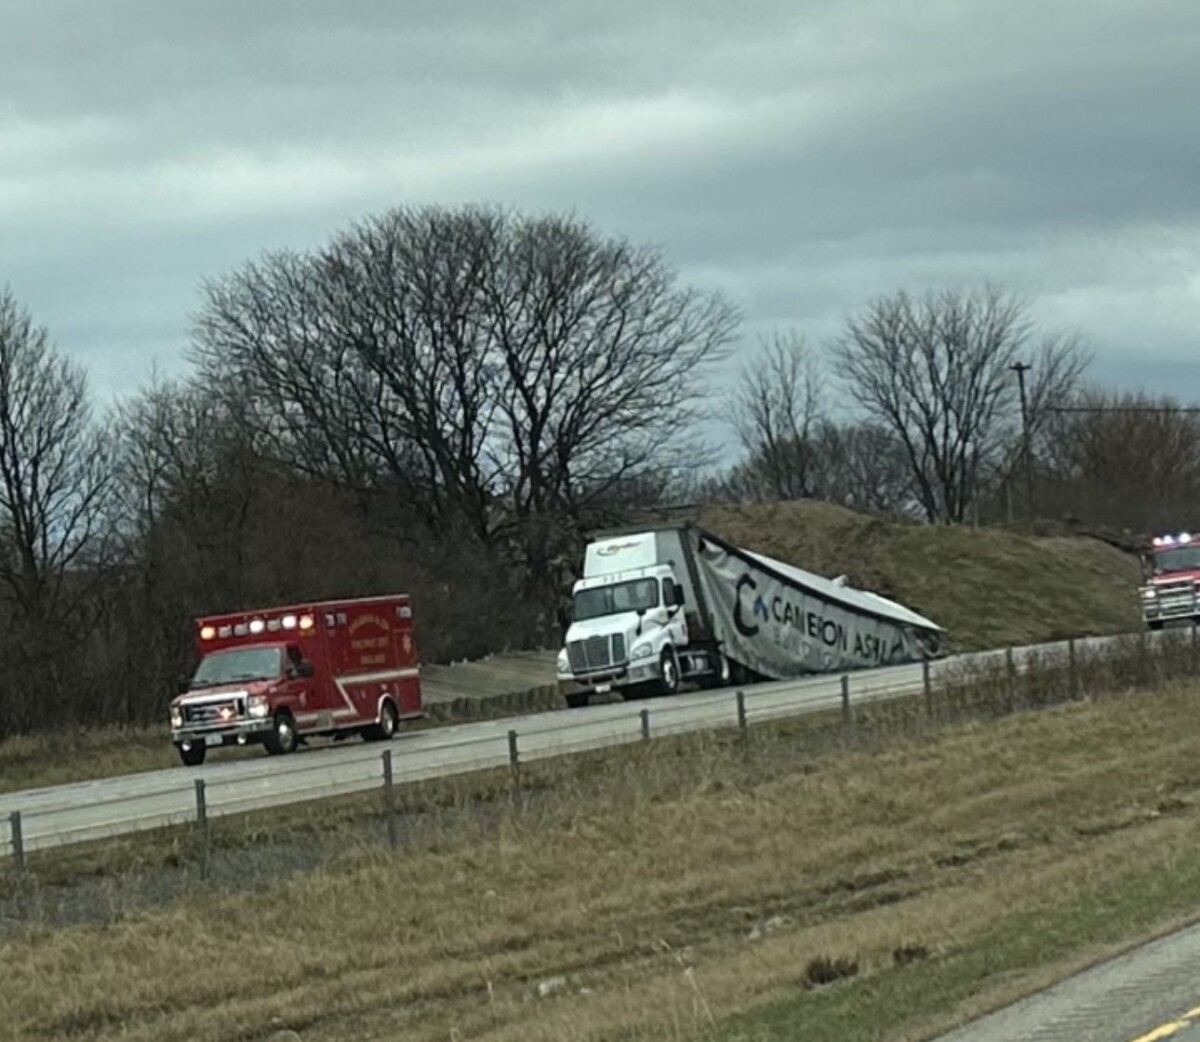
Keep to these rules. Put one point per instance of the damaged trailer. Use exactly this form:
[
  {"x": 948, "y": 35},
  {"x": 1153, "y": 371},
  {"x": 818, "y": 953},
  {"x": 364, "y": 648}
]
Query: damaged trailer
[{"x": 661, "y": 606}]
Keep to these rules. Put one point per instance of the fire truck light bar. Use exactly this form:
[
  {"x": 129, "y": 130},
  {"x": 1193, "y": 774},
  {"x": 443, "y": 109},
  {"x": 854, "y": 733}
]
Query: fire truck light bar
[{"x": 1172, "y": 540}]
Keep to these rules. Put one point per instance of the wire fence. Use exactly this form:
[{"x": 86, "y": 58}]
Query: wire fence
[{"x": 826, "y": 710}]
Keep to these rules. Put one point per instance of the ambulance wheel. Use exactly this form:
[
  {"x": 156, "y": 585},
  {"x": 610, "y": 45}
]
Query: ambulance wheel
[
  {"x": 282, "y": 738},
  {"x": 194, "y": 756},
  {"x": 385, "y": 730},
  {"x": 668, "y": 673}
]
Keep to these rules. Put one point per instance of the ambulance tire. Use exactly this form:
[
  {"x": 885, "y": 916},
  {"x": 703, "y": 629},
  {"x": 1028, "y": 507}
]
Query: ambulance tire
[
  {"x": 192, "y": 757},
  {"x": 282, "y": 738},
  {"x": 385, "y": 730}
]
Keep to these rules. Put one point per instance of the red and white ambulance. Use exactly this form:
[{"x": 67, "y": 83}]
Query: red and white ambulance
[{"x": 280, "y": 675}]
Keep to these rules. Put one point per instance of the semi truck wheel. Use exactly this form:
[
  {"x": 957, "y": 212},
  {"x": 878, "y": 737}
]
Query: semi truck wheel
[
  {"x": 283, "y": 738},
  {"x": 578, "y": 699},
  {"x": 194, "y": 756},
  {"x": 385, "y": 730},
  {"x": 669, "y": 673},
  {"x": 723, "y": 677}
]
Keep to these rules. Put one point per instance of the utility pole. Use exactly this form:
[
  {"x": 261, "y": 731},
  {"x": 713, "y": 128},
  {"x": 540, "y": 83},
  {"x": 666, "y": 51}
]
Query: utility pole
[{"x": 1021, "y": 368}]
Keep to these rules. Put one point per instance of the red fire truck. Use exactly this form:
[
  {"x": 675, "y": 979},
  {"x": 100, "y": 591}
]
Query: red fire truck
[
  {"x": 280, "y": 675},
  {"x": 1171, "y": 592}
]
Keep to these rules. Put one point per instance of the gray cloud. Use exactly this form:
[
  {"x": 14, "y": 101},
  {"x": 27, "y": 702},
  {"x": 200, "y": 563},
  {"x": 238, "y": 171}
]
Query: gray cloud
[{"x": 804, "y": 157}]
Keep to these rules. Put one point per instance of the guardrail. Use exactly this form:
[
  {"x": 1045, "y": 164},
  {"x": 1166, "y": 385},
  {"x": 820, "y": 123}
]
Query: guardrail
[{"x": 72, "y": 814}]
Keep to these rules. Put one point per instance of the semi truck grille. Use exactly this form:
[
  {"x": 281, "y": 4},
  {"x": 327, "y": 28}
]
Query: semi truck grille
[
  {"x": 213, "y": 712},
  {"x": 596, "y": 653}
]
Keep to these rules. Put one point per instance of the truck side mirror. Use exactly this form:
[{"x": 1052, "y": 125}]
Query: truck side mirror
[
  {"x": 678, "y": 593},
  {"x": 305, "y": 669}
]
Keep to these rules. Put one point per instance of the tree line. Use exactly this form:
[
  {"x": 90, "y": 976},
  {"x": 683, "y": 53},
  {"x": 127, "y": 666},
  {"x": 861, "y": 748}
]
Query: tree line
[{"x": 445, "y": 402}]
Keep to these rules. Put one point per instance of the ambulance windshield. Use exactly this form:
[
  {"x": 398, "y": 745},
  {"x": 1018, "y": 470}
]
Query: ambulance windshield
[{"x": 237, "y": 664}]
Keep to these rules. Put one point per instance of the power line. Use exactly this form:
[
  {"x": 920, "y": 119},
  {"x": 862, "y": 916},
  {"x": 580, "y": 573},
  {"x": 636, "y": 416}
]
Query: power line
[{"x": 1168, "y": 409}]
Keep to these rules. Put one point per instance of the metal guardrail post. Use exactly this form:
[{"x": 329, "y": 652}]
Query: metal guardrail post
[
  {"x": 845, "y": 700},
  {"x": 743, "y": 722},
  {"x": 514, "y": 757},
  {"x": 927, "y": 687},
  {"x": 389, "y": 800},
  {"x": 18, "y": 856},
  {"x": 202, "y": 827},
  {"x": 1072, "y": 674},
  {"x": 645, "y": 715},
  {"x": 1010, "y": 665},
  {"x": 18, "y": 843}
]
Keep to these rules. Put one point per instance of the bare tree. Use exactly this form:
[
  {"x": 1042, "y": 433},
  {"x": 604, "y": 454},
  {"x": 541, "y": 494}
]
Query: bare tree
[
  {"x": 936, "y": 372},
  {"x": 1124, "y": 460},
  {"x": 504, "y": 372},
  {"x": 866, "y": 467},
  {"x": 776, "y": 410},
  {"x": 600, "y": 356},
  {"x": 54, "y": 466}
]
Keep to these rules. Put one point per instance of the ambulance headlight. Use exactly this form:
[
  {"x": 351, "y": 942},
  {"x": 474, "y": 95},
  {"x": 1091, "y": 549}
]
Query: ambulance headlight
[
  {"x": 257, "y": 706},
  {"x": 176, "y": 717}
]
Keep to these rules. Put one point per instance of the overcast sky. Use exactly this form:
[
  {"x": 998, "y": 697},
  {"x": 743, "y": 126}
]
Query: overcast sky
[{"x": 803, "y": 157}]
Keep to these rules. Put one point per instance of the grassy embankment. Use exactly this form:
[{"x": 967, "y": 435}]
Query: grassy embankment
[
  {"x": 987, "y": 587},
  {"x": 688, "y": 889}
]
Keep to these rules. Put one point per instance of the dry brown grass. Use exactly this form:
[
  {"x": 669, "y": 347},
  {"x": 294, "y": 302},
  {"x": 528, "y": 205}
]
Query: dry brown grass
[{"x": 645, "y": 901}]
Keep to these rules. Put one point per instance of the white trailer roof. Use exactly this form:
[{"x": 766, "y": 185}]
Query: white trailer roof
[{"x": 847, "y": 595}]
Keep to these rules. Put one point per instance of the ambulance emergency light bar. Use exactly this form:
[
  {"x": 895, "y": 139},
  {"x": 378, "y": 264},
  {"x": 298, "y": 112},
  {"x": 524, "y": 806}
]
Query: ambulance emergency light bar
[
  {"x": 1172, "y": 540},
  {"x": 257, "y": 626}
]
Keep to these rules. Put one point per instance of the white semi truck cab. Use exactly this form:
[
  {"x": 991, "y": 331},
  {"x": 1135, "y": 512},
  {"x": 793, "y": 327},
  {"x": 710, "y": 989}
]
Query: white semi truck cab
[{"x": 629, "y": 628}]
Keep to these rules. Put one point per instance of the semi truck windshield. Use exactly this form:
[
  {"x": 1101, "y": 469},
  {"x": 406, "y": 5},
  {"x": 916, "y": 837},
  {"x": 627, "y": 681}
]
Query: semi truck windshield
[
  {"x": 639, "y": 594},
  {"x": 226, "y": 667},
  {"x": 1177, "y": 559}
]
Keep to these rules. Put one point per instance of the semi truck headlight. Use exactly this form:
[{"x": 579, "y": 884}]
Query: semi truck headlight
[
  {"x": 257, "y": 706},
  {"x": 564, "y": 661},
  {"x": 176, "y": 717},
  {"x": 642, "y": 650}
]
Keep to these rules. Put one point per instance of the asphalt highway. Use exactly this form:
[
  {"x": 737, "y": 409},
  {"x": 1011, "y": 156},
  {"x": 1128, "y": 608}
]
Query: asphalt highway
[
  {"x": 83, "y": 811},
  {"x": 1149, "y": 994}
]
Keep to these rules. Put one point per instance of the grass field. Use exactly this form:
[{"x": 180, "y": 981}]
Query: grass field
[{"x": 692, "y": 889}]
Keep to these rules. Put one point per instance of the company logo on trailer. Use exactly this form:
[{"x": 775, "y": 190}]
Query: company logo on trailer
[
  {"x": 759, "y": 609},
  {"x": 616, "y": 548},
  {"x": 818, "y": 629}
]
